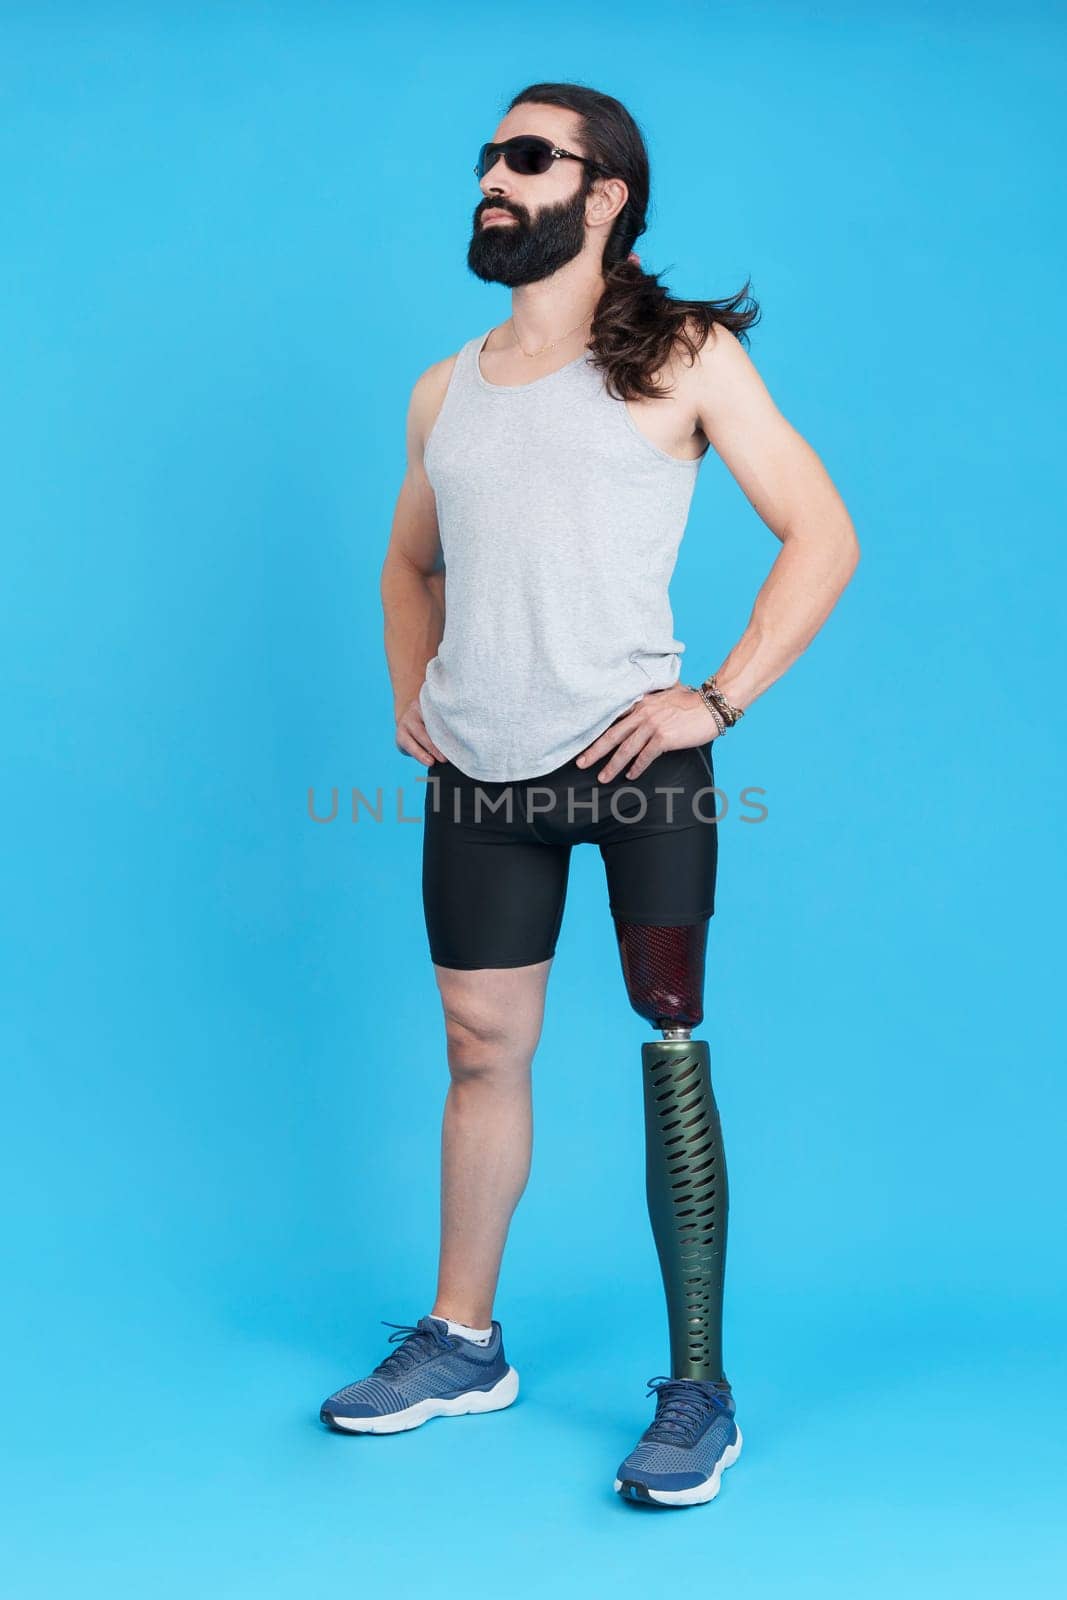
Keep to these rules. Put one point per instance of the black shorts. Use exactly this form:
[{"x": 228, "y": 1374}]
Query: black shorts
[{"x": 494, "y": 868}]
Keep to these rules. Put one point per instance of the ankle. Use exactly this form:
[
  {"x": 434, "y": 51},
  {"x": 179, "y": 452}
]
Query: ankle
[{"x": 462, "y": 1315}]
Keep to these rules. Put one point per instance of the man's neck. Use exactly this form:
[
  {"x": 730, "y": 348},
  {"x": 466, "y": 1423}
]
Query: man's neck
[{"x": 545, "y": 310}]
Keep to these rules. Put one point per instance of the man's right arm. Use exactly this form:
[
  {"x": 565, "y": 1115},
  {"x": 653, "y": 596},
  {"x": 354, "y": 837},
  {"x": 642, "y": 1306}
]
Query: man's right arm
[{"x": 413, "y": 573}]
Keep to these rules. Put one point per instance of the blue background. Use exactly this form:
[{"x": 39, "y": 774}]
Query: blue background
[{"x": 234, "y": 234}]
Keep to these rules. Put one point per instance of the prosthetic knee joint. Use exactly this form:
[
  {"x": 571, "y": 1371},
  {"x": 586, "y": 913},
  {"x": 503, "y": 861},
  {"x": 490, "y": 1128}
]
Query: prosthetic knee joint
[{"x": 685, "y": 1167}]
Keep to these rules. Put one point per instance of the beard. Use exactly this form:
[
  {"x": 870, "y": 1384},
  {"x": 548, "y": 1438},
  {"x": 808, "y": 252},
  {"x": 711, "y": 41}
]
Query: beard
[{"x": 530, "y": 248}]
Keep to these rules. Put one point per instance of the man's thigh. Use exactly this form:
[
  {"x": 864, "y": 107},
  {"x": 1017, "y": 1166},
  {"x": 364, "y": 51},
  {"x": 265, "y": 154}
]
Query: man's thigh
[
  {"x": 661, "y": 858},
  {"x": 493, "y": 893},
  {"x": 499, "y": 1011}
]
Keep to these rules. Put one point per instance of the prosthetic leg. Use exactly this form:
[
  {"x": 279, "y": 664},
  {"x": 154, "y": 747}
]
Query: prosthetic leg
[{"x": 685, "y": 1167}]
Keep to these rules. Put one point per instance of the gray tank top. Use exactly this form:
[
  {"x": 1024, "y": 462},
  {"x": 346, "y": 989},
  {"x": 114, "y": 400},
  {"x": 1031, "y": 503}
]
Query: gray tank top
[{"x": 560, "y": 524}]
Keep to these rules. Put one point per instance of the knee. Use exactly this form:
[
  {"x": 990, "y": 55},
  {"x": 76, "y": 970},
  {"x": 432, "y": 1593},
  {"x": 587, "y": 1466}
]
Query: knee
[{"x": 484, "y": 1046}]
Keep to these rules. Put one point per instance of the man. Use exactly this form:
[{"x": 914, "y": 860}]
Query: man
[{"x": 529, "y": 636}]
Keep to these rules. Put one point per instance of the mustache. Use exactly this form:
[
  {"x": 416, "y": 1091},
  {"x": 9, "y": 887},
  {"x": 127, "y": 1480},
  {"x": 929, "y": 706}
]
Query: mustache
[{"x": 498, "y": 205}]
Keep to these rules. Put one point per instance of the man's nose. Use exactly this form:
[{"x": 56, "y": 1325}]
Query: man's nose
[{"x": 495, "y": 181}]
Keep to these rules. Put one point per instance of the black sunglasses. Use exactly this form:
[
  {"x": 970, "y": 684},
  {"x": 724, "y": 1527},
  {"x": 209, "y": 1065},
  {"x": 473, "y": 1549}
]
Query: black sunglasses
[{"x": 527, "y": 154}]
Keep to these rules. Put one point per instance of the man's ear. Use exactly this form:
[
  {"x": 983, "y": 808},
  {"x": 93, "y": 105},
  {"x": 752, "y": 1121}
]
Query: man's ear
[{"x": 608, "y": 196}]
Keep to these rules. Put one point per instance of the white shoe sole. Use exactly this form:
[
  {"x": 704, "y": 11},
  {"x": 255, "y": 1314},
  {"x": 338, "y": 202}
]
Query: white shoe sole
[
  {"x": 495, "y": 1399},
  {"x": 698, "y": 1495}
]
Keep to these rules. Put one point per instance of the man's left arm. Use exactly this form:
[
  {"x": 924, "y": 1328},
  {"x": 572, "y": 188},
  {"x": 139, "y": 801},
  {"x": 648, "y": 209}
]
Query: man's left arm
[
  {"x": 788, "y": 486},
  {"x": 784, "y": 480}
]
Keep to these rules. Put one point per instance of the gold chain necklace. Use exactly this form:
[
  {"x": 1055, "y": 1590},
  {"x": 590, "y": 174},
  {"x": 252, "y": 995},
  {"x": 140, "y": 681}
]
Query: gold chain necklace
[{"x": 530, "y": 354}]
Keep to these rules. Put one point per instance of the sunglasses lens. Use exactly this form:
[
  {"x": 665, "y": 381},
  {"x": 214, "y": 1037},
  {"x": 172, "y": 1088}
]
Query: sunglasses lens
[
  {"x": 524, "y": 156},
  {"x": 529, "y": 156}
]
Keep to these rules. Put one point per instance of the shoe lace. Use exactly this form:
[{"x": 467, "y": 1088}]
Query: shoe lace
[
  {"x": 682, "y": 1404},
  {"x": 415, "y": 1344}
]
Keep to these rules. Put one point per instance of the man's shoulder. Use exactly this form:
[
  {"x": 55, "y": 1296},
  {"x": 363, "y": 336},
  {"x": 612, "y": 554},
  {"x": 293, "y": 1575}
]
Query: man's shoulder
[
  {"x": 430, "y": 385},
  {"x": 718, "y": 374},
  {"x": 429, "y": 388},
  {"x": 716, "y": 346},
  {"x": 437, "y": 374}
]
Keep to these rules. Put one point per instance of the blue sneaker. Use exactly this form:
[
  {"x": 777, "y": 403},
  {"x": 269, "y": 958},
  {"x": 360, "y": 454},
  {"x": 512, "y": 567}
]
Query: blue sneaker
[
  {"x": 432, "y": 1373},
  {"x": 680, "y": 1457}
]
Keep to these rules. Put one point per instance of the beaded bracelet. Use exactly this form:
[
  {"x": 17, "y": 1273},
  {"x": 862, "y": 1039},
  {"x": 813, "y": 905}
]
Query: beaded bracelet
[
  {"x": 724, "y": 713},
  {"x": 716, "y": 713},
  {"x": 712, "y": 693}
]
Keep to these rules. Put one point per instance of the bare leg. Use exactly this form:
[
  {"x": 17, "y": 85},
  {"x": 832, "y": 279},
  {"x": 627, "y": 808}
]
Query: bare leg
[{"x": 493, "y": 1020}]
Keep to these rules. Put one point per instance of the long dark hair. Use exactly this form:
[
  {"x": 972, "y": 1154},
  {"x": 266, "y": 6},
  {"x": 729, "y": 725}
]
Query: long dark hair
[{"x": 636, "y": 323}]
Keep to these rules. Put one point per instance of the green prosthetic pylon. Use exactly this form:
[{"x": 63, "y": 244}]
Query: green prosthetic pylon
[{"x": 685, "y": 1172}]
